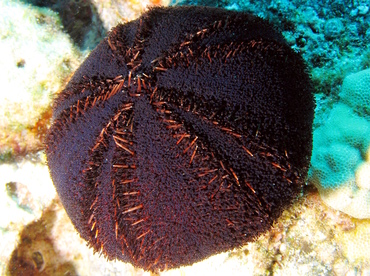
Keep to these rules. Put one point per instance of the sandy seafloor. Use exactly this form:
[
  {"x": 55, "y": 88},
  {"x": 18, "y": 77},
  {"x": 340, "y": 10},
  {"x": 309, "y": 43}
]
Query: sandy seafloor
[{"x": 39, "y": 50}]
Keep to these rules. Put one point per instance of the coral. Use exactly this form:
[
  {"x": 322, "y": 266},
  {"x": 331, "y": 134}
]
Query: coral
[
  {"x": 340, "y": 159},
  {"x": 35, "y": 253},
  {"x": 112, "y": 12},
  {"x": 79, "y": 18},
  {"x": 333, "y": 28},
  {"x": 184, "y": 134},
  {"x": 356, "y": 92},
  {"x": 35, "y": 59}
]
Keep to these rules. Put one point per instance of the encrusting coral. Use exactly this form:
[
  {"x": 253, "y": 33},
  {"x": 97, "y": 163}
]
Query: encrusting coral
[{"x": 341, "y": 155}]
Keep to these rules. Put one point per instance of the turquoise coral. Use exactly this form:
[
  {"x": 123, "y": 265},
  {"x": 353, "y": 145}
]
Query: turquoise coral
[
  {"x": 356, "y": 92},
  {"x": 341, "y": 147}
]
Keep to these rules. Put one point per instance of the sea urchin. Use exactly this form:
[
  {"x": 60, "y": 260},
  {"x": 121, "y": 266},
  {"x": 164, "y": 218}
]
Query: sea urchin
[{"x": 185, "y": 133}]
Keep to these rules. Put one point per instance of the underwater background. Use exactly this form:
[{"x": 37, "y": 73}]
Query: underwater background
[{"x": 325, "y": 232}]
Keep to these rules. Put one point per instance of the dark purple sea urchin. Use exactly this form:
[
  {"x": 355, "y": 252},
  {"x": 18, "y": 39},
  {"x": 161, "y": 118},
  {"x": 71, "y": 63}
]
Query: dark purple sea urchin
[{"x": 185, "y": 133}]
